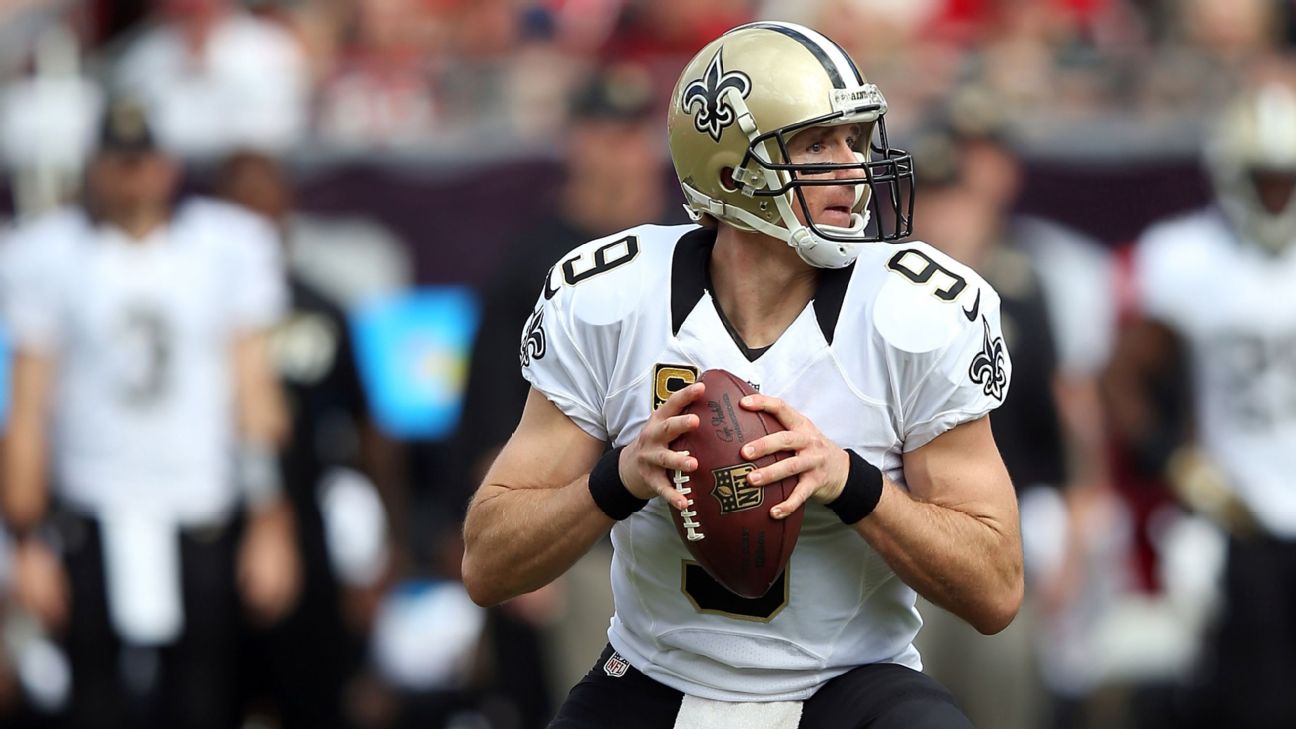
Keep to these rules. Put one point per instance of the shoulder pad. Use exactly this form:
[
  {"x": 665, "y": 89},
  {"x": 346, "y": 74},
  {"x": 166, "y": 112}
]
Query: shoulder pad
[
  {"x": 927, "y": 298},
  {"x": 602, "y": 281}
]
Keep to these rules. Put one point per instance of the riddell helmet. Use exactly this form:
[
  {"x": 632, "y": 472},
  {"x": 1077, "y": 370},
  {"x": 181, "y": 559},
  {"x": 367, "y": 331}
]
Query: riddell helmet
[
  {"x": 1255, "y": 138},
  {"x": 735, "y": 107}
]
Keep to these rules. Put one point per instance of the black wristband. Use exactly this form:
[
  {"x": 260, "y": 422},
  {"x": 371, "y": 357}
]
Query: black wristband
[
  {"x": 610, "y": 494},
  {"x": 862, "y": 492}
]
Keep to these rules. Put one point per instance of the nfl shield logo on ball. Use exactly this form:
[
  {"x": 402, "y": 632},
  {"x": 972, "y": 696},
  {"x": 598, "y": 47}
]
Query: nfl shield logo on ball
[
  {"x": 616, "y": 666},
  {"x": 732, "y": 490}
]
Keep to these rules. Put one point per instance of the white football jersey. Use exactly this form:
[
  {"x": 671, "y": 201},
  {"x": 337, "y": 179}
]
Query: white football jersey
[
  {"x": 892, "y": 352},
  {"x": 1234, "y": 305},
  {"x": 141, "y": 332}
]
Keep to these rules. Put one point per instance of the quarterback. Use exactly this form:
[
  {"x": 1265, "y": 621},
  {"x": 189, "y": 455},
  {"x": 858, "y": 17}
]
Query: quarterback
[{"x": 881, "y": 361}]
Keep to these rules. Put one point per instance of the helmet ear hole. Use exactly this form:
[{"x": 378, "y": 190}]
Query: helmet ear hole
[{"x": 727, "y": 180}]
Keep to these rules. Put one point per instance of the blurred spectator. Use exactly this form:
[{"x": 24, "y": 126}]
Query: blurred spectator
[
  {"x": 1202, "y": 390},
  {"x": 381, "y": 91},
  {"x": 503, "y": 76},
  {"x": 661, "y": 35},
  {"x": 306, "y": 661},
  {"x": 47, "y": 122},
  {"x": 139, "y": 479},
  {"x": 215, "y": 78},
  {"x": 614, "y": 177},
  {"x": 1208, "y": 46}
]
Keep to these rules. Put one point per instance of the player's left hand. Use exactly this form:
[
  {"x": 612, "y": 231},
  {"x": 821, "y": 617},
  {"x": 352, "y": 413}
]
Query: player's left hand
[
  {"x": 819, "y": 466},
  {"x": 269, "y": 568}
]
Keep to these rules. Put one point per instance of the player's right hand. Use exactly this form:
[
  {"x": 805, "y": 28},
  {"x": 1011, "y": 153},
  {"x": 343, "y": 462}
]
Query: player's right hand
[
  {"x": 647, "y": 464},
  {"x": 40, "y": 584},
  {"x": 269, "y": 567}
]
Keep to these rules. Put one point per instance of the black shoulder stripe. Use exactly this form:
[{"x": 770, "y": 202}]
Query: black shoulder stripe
[
  {"x": 689, "y": 274},
  {"x": 829, "y": 296},
  {"x": 828, "y": 65}
]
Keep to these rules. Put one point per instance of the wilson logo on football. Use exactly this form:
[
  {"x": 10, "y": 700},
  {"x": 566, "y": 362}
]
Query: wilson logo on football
[
  {"x": 732, "y": 490},
  {"x": 706, "y": 100}
]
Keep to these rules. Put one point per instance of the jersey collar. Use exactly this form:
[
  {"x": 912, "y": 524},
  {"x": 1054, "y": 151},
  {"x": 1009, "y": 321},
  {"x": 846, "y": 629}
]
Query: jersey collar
[{"x": 691, "y": 277}]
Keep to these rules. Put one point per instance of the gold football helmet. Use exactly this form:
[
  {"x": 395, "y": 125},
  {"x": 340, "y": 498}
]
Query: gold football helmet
[
  {"x": 735, "y": 107},
  {"x": 1252, "y": 163}
]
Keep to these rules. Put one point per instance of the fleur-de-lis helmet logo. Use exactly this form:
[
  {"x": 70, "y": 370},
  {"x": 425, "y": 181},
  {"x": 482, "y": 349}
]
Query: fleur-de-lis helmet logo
[
  {"x": 706, "y": 100},
  {"x": 987, "y": 367}
]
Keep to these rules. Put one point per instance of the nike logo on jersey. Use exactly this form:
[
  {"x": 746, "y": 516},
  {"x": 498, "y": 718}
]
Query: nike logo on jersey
[{"x": 976, "y": 307}]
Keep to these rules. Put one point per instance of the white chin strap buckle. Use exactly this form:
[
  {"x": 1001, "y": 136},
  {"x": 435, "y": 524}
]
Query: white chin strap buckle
[{"x": 801, "y": 238}]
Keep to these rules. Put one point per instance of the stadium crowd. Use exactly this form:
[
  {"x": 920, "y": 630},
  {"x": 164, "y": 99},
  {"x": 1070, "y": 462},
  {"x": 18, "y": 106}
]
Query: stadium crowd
[{"x": 387, "y": 147}]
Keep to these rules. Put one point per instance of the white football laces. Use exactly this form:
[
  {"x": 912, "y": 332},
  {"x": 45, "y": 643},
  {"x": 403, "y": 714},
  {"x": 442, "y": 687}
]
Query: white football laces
[{"x": 688, "y": 514}]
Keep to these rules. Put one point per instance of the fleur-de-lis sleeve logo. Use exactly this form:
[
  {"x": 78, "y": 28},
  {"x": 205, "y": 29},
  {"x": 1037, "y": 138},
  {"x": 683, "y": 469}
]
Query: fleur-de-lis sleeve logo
[
  {"x": 706, "y": 100},
  {"x": 987, "y": 367},
  {"x": 533, "y": 338}
]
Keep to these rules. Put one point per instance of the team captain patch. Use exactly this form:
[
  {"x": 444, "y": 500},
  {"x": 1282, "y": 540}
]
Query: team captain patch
[{"x": 669, "y": 379}]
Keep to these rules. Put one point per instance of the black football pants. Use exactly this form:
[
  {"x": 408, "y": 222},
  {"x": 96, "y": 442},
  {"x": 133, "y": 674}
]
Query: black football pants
[
  {"x": 878, "y": 696},
  {"x": 189, "y": 683}
]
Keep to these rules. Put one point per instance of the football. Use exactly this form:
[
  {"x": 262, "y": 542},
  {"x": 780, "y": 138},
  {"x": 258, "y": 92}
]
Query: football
[{"x": 727, "y": 526}]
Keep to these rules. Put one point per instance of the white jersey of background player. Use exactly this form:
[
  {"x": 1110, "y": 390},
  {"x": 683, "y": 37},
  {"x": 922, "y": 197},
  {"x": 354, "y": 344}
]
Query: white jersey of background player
[
  {"x": 143, "y": 413},
  {"x": 893, "y": 351},
  {"x": 1223, "y": 280},
  {"x": 1216, "y": 297}
]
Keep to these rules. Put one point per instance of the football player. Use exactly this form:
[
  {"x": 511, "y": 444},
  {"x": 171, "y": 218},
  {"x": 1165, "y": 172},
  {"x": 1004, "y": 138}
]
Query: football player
[
  {"x": 1217, "y": 315},
  {"x": 139, "y": 466},
  {"x": 881, "y": 361}
]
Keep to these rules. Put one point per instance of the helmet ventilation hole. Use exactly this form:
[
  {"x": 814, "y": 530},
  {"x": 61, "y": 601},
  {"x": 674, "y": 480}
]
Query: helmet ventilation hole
[{"x": 727, "y": 180}]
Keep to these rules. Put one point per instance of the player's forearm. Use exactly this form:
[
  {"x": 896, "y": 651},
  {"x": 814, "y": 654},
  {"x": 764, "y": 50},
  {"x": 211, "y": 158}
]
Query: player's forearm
[
  {"x": 519, "y": 539},
  {"x": 261, "y": 411},
  {"x": 970, "y": 564},
  {"x": 24, "y": 494},
  {"x": 25, "y": 498}
]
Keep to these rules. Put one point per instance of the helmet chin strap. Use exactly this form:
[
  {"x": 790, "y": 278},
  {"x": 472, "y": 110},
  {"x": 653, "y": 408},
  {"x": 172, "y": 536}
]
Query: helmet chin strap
[{"x": 814, "y": 250}]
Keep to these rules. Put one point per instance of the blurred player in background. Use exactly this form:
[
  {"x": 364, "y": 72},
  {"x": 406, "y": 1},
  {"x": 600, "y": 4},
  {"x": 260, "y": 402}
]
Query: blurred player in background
[
  {"x": 894, "y": 351},
  {"x": 1204, "y": 389},
  {"x": 139, "y": 470},
  {"x": 613, "y": 128},
  {"x": 306, "y": 661}
]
